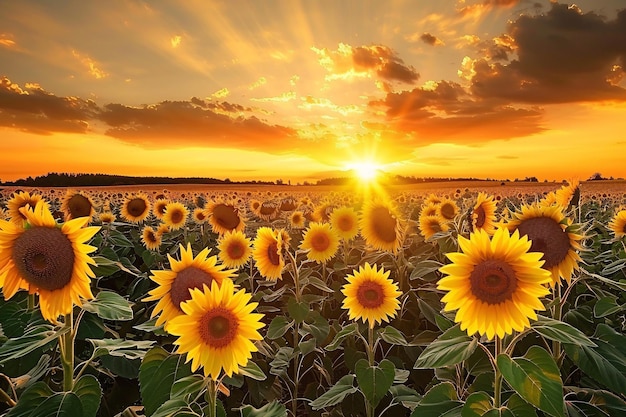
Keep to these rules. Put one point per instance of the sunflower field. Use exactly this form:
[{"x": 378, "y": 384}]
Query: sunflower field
[{"x": 392, "y": 302}]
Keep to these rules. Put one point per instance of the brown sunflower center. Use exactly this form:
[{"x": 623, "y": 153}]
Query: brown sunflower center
[
  {"x": 200, "y": 215},
  {"x": 384, "y": 224},
  {"x": 370, "y": 294},
  {"x": 479, "y": 217},
  {"x": 547, "y": 237},
  {"x": 272, "y": 253},
  {"x": 44, "y": 256},
  {"x": 493, "y": 281},
  {"x": 160, "y": 208},
  {"x": 188, "y": 279},
  {"x": 345, "y": 223},
  {"x": 320, "y": 242},
  {"x": 151, "y": 236},
  {"x": 218, "y": 327},
  {"x": 435, "y": 226},
  {"x": 226, "y": 216},
  {"x": 447, "y": 211},
  {"x": 136, "y": 207},
  {"x": 79, "y": 206},
  {"x": 296, "y": 219},
  {"x": 235, "y": 250},
  {"x": 177, "y": 216}
]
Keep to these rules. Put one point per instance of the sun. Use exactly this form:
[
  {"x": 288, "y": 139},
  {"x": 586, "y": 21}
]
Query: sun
[{"x": 365, "y": 171}]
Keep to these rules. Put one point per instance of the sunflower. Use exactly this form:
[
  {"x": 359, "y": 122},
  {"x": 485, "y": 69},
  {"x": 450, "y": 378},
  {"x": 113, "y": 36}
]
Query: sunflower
[
  {"x": 162, "y": 229},
  {"x": 288, "y": 204},
  {"x": 47, "y": 258},
  {"x": 433, "y": 199},
  {"x": 370, "y": 295},
  {"x": 618, "y": 224},
  {"x": 106, "y": 217},
  {"x": 552, "y": 234},
  {"x": 267, "y": 211},
  {"x": 568, "y": 195},
  {"x": 224, "y": 217},
  {"x": 345, "y": 222},
  {"x": 267, "y": 253},
  {"x": 21, "y": 199},
  {"x": 494, "y": 283},
  {"x": 198, "y": 215},
  {"x": 136, "y": 208},
  {"x": 254, "y": 205},
  {"x": 175, "y": 215},
  {"x": 429, "y": 225},
  {"x": 76, "y": 204},
  {"x": 320, "y": 241},
  {"x": 429, "y": 209},
  {"x": 159, "y": 207},
  {"x": 321, "y": 213},
  {"x": 483, "y": 214},
  {"x": 234, "y": 249},
  {"x": 297, "y": 220},
  {"x": 381, "y": 226},
  {"x": 448, "y": 209},
  {"x": 217, "y": 329},
  {"x": 150, "y": 238},
  {"x": 186, "y": 274}
]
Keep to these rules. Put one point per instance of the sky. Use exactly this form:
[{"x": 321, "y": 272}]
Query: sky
[{"x": 303, "y": 90}]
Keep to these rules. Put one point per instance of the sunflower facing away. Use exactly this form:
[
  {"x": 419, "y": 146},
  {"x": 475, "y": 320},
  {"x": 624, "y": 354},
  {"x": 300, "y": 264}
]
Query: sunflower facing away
[
  {"x": 267, "y": 253},
  {"x": 47, "y": 258},
  {"x": 370, "y": 295},
  {"x": 136, "y": 208},
  {"x": 175, "y": 215},
  {"x": 483, "y": 214},
  {"x": 430, "y": 225},
  {"x": 184, "y": 275},
  {"x": 218, "y": 329},
  {"x": 552, "y": 234},
  {"x": 320, "y": 241},
  {"x": 234, "y": 249},
  {"x": 495, "y": 284},
  {"x": 345, "y": 222},
  {"x": 618, "y": 224},
  {"x": 381, "y": 226},
  {"x": 76, "y": 204}
]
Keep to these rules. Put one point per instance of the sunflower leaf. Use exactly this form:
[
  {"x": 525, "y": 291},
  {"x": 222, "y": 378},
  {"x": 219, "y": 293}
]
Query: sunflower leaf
[
  {"x": 560, "y": 331},
  {"x": 477, "y": 404},
  {"x": 273, "y": 409},
  {"x": 278, "y": 327},
  {"x": 34, "y": 338},
  {"x": 341, "y": 335},
  {"x": 452, "y": 347},
  {"x": 336, "y": 393},
  {"x": 88, "y": 390},
  {"x": 252, "y": 370},
  {"x": 440, "y": 400},
  {"x": 109, "y": 306},
  {"x": 374, "y": 381}
]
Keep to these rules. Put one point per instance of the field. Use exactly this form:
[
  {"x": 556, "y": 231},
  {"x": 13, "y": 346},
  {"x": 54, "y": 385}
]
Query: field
[{"x": 452, "y": 298}]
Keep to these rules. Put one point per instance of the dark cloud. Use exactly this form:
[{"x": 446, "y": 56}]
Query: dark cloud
[{"x": 430, "y": 39}]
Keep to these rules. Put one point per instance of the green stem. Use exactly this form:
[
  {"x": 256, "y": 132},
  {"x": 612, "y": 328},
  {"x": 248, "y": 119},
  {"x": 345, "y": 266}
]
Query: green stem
[
  {"x": 31, "y": 302},
  {"x": 4, "y": 397},
  {"x": 296, "y": 369},
  {"x": 369, "y": 409},
  {"x": 296, "y": 275},
  {"x": 66, "y": 344},
  {"x": 212, "y": 394},
  {"x": 558, "y": 310},
  {"x": 497, "y": 383}
]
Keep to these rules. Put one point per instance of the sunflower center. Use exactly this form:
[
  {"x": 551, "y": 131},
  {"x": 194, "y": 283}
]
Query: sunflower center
[
  {"x": 384, "y": 224},
  {"x": 200, "y": 215},
  {"x": 447, "y": 211},
  {"x": 151, "y": 236},
  {"x": 136, "y": 207},
  {"x": 186, "y": 280},
  {"x": 160, "y": 208},
  {"x": 177, "y": 216},
  {"x": 547, "y": 237},
  {"x": 435, "y": 225},
  {"x": 320, "y": 242},
  {"x": 79, "y": 206},
  {"x": 218, "y": 327},
  {"x": 227, "y": 216},
  {"x": 493, "y": 281},
  {"x": 44, "y": 256},
  {"x": 235, "y": 250},
  {"x": 480, "y": 216},
  {"x": 272, "y": 253},
  {"x": 370, "y": 294},
  {"x": 345, "y": 224}
]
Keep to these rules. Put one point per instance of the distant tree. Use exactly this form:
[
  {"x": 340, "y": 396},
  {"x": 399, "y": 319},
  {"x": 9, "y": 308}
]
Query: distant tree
[{"x": 596, "y": 177}]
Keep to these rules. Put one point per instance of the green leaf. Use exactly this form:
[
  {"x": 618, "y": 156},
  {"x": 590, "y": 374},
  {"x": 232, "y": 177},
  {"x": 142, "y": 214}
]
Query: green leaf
[
  {"x": 273, "y": 409},
  {"x": 319, "y": 284},
  {"x": 374, "y": 381},
  {"x": 252, "y": 370},
  {"x": 280, "y": 363},
  {"x": 560, "y": 331},
  {"x": 157, "y": 374},
  {"x": 583, "y": 409},
  {"x": 187, "y": 387},
  {"x": 278, "y": 327},
  {"x": 129, "y": 349},
  {"x": 477, "y": 404},
  {"x": 29, "y": 399},
  {"x": 89, "y": 392},
  {"x": 336, "y": 393},
  {"x": 606, "y": 306},
  {"x": 109, "y": 306},
  {"x": 342, "y": 334},
  {"x": 104, "y": 266},
  {"x": 536, "y": 378},
  {"x": 34, "y": 338},
  {"x": 176, "y": 407},
  {"x": 317, "y": 325},
  {"x": 440, "y": 400},
  {"x": 404, "y": 395},
  {"x": 499, "y": 412},
  {"x": 452, "y": 347},
  {"x": 33, "y": 375},
  {"x": 424, "y": 268},
  {"x": 297, "y": 310},
  {"x": 60, "y": 404},
  {"x": 393, "y": 336},
  {"x": 604, "y": 363},
  {"x": 519, "y": 407},
  {"x": 306, "y": 347}
]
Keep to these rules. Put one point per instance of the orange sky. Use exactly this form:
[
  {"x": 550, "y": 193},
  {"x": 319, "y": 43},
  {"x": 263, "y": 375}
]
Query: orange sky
[{"x": 300, "y": 90}]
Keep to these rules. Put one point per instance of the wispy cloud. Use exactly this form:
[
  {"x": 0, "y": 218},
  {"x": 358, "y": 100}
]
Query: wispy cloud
[{"x": 93, "y": 68}]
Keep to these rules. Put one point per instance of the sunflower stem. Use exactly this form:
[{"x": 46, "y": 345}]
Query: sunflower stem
[
  {"x": 4, "y": 397},
  {"x": 66, "y": 344},
  {"x": 296, "y": 369},
  {"x": 212, "y": 394},
  {"x": 370, "y": 345},
  {"x": 556, "y": 315},
  {"x": 296, "y": 276},
  {"x": 31, "y": 302},
  {"x": 497, "y": 383}
]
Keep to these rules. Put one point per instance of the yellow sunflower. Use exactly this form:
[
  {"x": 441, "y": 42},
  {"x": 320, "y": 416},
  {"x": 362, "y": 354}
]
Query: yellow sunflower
[
  {"x": 483, "y": 215},
  {"x": 297, "y": 220},
  {"x": 568, "y": 195},
  {"x": 175, "y": 284},
  {"x": 552, "y": 234},
  {"x": 150, "y": 238},
  {"x": 320, "y": 241},
  {"x": 136, "y": 208},
  {"x": 267, "y": 253},
  {"x": 494, "y": 283},
  {"x": 76, "y": 204},
  {"x": 345, "y": 222},
  {"x": 429, "y": 209},
  {"x": 429, "y": 225},
  {"x": 158, "y": 209},
  {"x": 106, "y": 217},
  {"x": 224, "y": 217},
  {"x": 47, "y": 258},
  {"x": 381, "y": 226},
  {"x": 370, "y": 295},
  {"x": 218, "y": 329},
  {"x": 618, "y": 224},
  {"x": 21, "y": 199},
  {"x": 175, "y": 215},
  {"x": 267, "y": 211},
  {"x": 234, "y": 249},
  {"x": 448, "y": 209},
  {"x": 198, "y": 215},
  {"x": 321, "y": 213}
]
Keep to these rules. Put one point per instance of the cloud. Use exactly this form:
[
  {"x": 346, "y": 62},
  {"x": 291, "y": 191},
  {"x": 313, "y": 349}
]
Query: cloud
[
  {"x": 284, "y": 97},
  {"x": 561, "y": 56},
  {"x": 6, "y": 41},
  {"x": 476, "y": 10},
  {"x": 258, "y": 83},
  {"x": 91, "y": 65},
  {"x": 224, "y": 92},
  {"x": 309, "y": 103},
  {"x": 431, "y": 39},
  {"x": 379, "y": 61},
  {"x": 175, "y": 41}
]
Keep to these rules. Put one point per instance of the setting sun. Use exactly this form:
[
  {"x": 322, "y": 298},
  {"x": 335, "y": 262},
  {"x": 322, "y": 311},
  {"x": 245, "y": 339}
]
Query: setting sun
[{"x": 365, "y": 171}]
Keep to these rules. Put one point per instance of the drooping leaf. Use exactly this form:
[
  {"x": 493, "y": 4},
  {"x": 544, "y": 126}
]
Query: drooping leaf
[
  {"x": 392, "y": 335},
  {"x": 604, "y": 363},
  {"x": 374, "y": 381},
  {"x": 336, "y": 393},
  {"x": 440, "y": 400},
  {"x": 88, "y": 390},
  {"x": 278, "y": 327},
  {"x": 252, "y": 370},
  {"x": 452, "y": 347},
  {"x": 273, "y": 409},
  {"x": 129, "y": 349},
  {"x": 109, "y": 306},
  {"x": 35, "y": 337},
  {"x": 297, "y": 310},
  {"x": 340, "y": 336}
]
